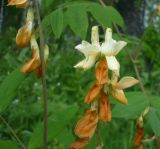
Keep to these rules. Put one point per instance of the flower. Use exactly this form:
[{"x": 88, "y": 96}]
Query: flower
[
  {"x": 34, "y": 64},
  {"x": 116, "y": 88},
  {"x": 108, "y": 49},
  {"x": 138, "y": 137},
  {"x": 18, "y": 3},
  {"x": 87, "y": 125},
  {"x": 105, "y": 113},
  {"x": 79, "y": 143},
  {"x": 101, "y": 79},
  {"x": 24, "y": 33}
]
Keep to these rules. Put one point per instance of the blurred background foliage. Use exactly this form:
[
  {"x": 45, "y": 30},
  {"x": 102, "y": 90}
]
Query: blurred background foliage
[{"x": 66, "y": 23}]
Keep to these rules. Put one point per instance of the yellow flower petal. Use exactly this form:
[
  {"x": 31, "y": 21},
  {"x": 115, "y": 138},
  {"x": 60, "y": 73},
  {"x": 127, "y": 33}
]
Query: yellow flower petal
[
  {"x": 119, "y": 96},
  {"x": 126, "y": 82}
]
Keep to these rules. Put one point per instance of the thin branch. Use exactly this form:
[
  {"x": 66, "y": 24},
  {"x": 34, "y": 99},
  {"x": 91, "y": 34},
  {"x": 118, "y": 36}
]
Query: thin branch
[
  {"x": 44, "y": 88},
  {"x": 13, "y": 132},
  {"x": 133, "y": 62},
  {"x": 102, "y": 3}
]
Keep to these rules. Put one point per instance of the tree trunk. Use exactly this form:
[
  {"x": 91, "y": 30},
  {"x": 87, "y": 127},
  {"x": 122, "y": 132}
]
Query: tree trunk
[{"x": 133, "y": 13}]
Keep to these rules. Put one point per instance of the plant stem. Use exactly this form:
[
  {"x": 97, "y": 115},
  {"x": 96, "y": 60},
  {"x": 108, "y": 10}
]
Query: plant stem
[
  {"x": 13, "y": 132},
  {"x": 44, "y": 88}
]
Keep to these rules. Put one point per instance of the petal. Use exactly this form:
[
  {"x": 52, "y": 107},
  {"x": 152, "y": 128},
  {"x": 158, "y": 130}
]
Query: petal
[
  {"x": 79, "y": 143},
  {"x": 18, "y": 3},
  {"x": 38, "y": 71},
  {"x": 24, "y": 5},
  {"x": 88, "y": 49},
  {"x": 95, "y": 35},
  {"x": 119, "y": 46},
  {"x": 138, "y": 137},
  {"x": 119, "y": 95},
  {"x": 31, "y": 65},
  {"x": 87, "y": 125},
  {"x": 93, "y": 93},
  {"x": 30, "y": 15},
  {"x": 24, "y": 35},
  {"x": 108, "y": 34},
  {"x": 107, "y": 48},
  {"x": 105, "y": 113},
  {"x": 126, "y": 82},
  {"x": 34, "y": 64},
  {"x": 102, "y": 72},
  {"x": 113, "y": 64},
  {"x": 46, "y": 52},
  {"x": 86, "y": 63}
]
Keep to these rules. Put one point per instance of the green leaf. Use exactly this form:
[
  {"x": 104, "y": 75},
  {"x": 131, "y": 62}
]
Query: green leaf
[
  {"x": 155, "y": 102},
  {"x": 47, "y": 3},
  {"x": 106, "y": 15},
  {"x": 78, "y": 20},
  {"x": 8, "y": 145},
  {"x": 58, "y": 120},
  {"x": 66, "y": 137},
  {"x": 137, "y": 102},
  {"x": 56, "y": 21},
  {"x": 154, "y": 121},
  {"x": 8, "y": 88}
]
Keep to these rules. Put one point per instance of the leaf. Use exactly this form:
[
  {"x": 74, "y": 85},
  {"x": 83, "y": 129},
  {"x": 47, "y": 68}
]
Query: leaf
[
  {"x": 56, "y": 21},
  {"x": 58, "y": 120},
  {"x": 47, "y": 3},
  {"x": 8, "y": 88},
  {"x": 77, "y": 19},
  {"x": 155, "y": 102},
  {"x": 136, "y": 104},
  {"x": 106, "y": 15},
  {"x": 66, "y": 137},
  {"x": 154, "y": 121},
  {"x": 8, "y": 145}
]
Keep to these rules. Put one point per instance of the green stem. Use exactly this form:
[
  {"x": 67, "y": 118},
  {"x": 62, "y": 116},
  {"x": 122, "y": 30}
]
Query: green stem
[
  {"x": 44, "y": 88},
  {"x": 13, "y": 132}
]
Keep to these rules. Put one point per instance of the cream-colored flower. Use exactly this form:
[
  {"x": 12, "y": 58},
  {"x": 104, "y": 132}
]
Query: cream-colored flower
[
  {"x": 90, "y": 51},
  {"x": 110, "y": 48}
]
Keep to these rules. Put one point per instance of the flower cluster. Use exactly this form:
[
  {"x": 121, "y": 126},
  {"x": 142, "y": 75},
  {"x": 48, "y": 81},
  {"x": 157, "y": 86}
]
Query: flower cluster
[
  {"x": 103, "y": 57},
  {"x": 26, "y": 37}
]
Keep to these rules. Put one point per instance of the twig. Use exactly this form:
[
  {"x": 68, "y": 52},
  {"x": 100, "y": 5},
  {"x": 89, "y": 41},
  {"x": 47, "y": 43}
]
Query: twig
[
  {"x": 44, "y": 89},
  {"x": 13, "y": 132},
  {"x": 133, "y": 62},
  {"x": 102, "y": 2}
]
